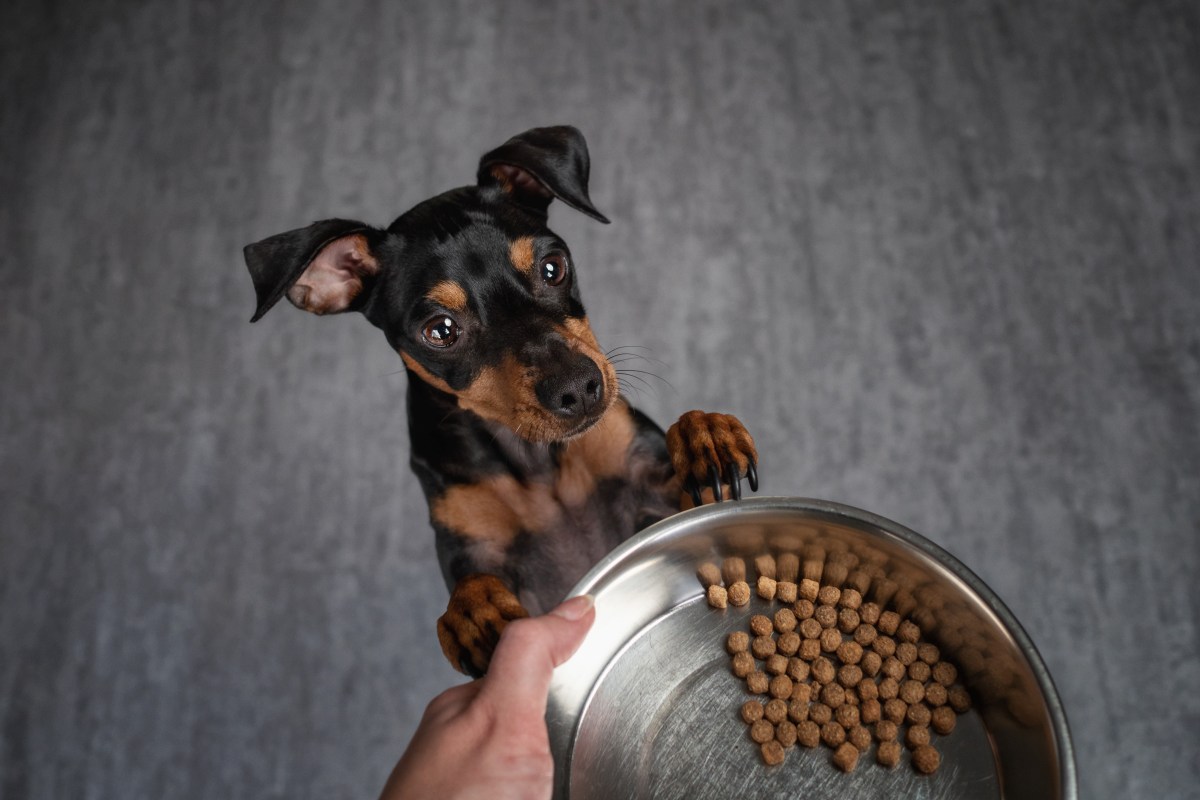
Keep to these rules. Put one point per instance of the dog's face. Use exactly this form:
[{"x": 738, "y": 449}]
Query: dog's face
[{"x": 477, "y": 295}]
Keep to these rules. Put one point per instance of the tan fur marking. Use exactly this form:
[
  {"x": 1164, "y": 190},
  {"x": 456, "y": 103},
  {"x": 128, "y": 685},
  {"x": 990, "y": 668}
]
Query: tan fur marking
[
  {"x": 520, "y": 253},
  {"x": 601, "y": 452},
  {"x": 448, "y": 294},
  {"x": 494, "y": 510}
]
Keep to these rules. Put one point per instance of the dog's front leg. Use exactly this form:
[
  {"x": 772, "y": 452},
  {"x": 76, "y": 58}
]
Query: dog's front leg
[
  {"x": 711, "y": 454},
  {"x": 480, "y": 607}
]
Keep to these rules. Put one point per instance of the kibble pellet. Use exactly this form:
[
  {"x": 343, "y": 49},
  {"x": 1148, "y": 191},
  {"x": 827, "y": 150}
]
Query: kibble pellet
[
  {"x": 752, "y": 711},
  {"x": 845, "y": 757},
  {"x": 739, "y": 593},
  {"x": 926, "y": 759},
  {"x": 717, "y": 596},
  {"x": 772, "y": 753},
  {"x": 737, "y": 642}
]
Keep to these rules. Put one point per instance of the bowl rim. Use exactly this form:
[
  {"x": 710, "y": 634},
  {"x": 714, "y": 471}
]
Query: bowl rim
[{"x": 666, "y": 528}]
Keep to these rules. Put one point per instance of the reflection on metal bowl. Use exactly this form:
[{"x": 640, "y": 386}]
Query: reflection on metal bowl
[{"x": 648, "y": 707}]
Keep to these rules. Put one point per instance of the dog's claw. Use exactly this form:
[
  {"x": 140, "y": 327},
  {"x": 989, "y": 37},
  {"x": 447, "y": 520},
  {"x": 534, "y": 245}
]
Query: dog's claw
[
  {"x": 735, "y": 481},
  {"x": 752, "y": 475},
  {"x": 714, "y": 480},
  {"x": 694, "y": 489}
]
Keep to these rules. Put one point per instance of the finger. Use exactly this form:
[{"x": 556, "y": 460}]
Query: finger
[{"x": 519, "y": 677}]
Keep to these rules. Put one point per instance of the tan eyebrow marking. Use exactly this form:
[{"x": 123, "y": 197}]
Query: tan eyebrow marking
[
  {"x": 448, "y": 294},
  {"x": 520, "y": 252}
]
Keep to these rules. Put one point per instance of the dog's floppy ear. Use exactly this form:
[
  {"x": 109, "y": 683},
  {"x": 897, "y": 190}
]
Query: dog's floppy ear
[
  {"x": 323, "y": 268},
  {"x": 539, "y": 165}
]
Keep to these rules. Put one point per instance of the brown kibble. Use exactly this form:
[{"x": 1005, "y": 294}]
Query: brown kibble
[
  {"x": 812, "y": 569},
  {"x": 829, "y": 595},
  {"x": 860, "y": 737},
  {"x": 911, "y": 692},
  {"x": 717, "y": 596},
  {"x": 739, "y": 593},
  {"x": 803, "y": 609},
  {"x": 871, "y": 663},
  {"x": 738, "y": 642},
  {"x": 801, "y": 691},
  {"x": 781, "y": 687},
  {"x": 785, "y": 620},
  {"x": 943, "y": 719},
  {"x": 823, "y": 671},
  {"x": 743, "y": 664},
  {"x": 919, "y": 671},
  {"x": 889, "y": 688},
  {"x": 826, "y": 615},
  {"x": 892, "y": 667},
  {"x": 936, "y": 695},
  {"x": 808, "y": 733},
  {"x": 906, "y": 653},
  {"x": 785, "y": 733},
  {"x": 798, "y": 710},
  {"x": 888, "y": 753},
  {"x": 846, "y": 715},
  {"x": 708, "y": 574},
  {"x": 831, "y": 639},
  {"x": 889, "y": 621},
  {"x": 849, "y": 675},
  {"x": 752, "y": 711},
  {"x": 733, "y": 570},
  {"x": 762, "y": 646},
  {"x": 833, "y": 695},
  {"x": 776, "y": 664},
  {"x": 908, "y": 632},
  {"x": 797, "y": 670},
  {"x": 895, "y": 710},
  {"x": 869, "y": 710},
  {"x": 832, "y": 734},
  {"x": 959, "y": 700},
  {"x": 766, "y": 587},
  {"x": 788, "y": 643},
  {"x": 775, "y": 711},
  {"x": 848, "y": 620},
  {"x": 765, "y": 565},
  {"x": 757, "y": 682},
  {"x": 772, "y": 753},
  {"x": 944, "y": 673},
  {"x": 810, "y": 649},
  {"x": 850, "y": 652},
  {"x": 886, "y": 730},
  {"x": 786, "y": 592},
  {"x": 787, "y": 567},
  {"x": 810, "y": 628},
  {"x": 928, "y": 653},
  {"x": 915, "y": 736},
  {"x": 762, "y": 731},
  {"x": 868, "y": 689},
  {"x": 864, "y": 634},
  {"x": 809, "y": 589},
  {"x": 884, "y": 645},
  {"x": 918, "y": 714},
  {"x": 845, "y": 757},
  {"x": 926, "y": 759},
  {"x": 851, "y": 598},
  {"x": 820, "y": 713},
  {"x": 869, "y": 612},
  {"x": 760, "y": 625}
]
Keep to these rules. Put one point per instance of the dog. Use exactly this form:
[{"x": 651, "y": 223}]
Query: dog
[{"x": 533, "y": 464}]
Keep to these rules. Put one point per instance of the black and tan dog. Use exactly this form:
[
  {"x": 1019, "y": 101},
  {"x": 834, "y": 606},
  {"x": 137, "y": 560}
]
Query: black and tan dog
[{"x": 533, "y": 464}]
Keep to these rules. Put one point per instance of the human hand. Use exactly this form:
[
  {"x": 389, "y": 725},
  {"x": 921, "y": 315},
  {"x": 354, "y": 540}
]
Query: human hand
[{"x": 488, "y": 738}]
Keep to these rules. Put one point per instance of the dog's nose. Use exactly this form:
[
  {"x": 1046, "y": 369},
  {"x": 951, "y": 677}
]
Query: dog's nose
[{"x": 573, "y": 390}]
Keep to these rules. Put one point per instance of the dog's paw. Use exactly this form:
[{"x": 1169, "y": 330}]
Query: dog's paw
[
  {"x": 710, "y": 452},
  {"x": 479, "y": 609}
]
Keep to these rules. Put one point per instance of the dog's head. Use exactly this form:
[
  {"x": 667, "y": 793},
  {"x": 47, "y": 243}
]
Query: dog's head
[{"x": 472, "y": 289}]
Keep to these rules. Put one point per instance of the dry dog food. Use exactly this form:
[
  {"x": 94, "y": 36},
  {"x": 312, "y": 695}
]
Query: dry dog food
[{"x": 836, "y": 668}]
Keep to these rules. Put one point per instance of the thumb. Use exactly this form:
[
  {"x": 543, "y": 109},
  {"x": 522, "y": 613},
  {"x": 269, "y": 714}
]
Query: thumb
[{"x": 529, "y": 649}]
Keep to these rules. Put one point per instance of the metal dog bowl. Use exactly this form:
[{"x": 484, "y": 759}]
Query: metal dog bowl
[{"x": 648, "y": 706}]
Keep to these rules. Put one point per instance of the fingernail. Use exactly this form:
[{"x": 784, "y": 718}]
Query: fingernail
[{"x": 574, "y": 608}]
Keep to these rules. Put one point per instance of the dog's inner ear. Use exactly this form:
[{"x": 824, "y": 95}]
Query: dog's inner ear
[
  {"x": 520, "y": 184},
  {"x": 336, "y": 276}
]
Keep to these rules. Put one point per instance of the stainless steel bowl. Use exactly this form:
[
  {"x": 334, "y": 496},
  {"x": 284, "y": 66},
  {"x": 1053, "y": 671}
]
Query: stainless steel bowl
[{"x": 648, "y": 706}]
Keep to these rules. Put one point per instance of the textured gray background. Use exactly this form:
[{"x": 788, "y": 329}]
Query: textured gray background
[{"x": 940, "y": 257}]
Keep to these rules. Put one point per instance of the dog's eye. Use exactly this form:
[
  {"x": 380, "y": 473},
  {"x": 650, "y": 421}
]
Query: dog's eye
[
  {"x": 441, "y": 331},
  {"x": 554, "y": 269}
]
